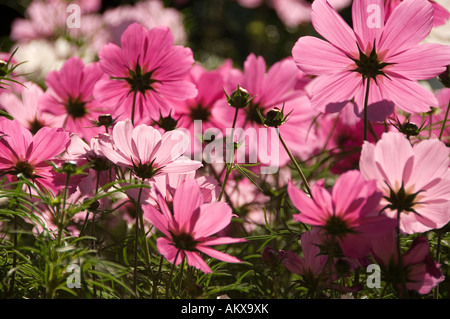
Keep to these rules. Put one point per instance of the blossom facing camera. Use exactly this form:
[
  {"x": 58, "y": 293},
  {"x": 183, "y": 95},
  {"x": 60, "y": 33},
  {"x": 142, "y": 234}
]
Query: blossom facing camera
[{"x": 189, "y": 227}]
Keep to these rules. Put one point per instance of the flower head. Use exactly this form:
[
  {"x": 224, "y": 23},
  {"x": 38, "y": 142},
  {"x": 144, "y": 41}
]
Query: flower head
[
  {"x": 145, "y": 151},
  {"x": 382, "y": 56},
  {"x": 349, "y": 213},
  {"x": 23, "y": 153},
  {"x": 414, "y": 180},
  {"x": 69, "y": 97},
  {"x": 189, "y": 227},
  {"x": 144, "y": 73}
]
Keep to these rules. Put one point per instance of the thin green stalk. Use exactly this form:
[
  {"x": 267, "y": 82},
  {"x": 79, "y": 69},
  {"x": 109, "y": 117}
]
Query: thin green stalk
[
  {"x": 438, "y": 258},
  {"x": 444, "y": 122},
  {"x": 299, "y": 170},
  {"x": 142, "y": 225},
  {"x": 156, "y": 281},
  {"x": 169, "y": 281},
  {"x": 229, "y": 161},
  {"x": 366, "y": 101},
  {"x": 133, "y": 107},
  {"x": 63, "y": 210}
]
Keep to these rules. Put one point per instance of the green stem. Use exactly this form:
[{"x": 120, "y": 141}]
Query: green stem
[
  {"x": 299, "y": 170},
  {"x": 156, "y": 281},
  {"x": 399, "y": 259},
  {"x": 229, "y": 161},
  {"x": 438, "y": 257},
  {"x": 141, "y": 221},
  {"x": 133, "y": 107},
  {"x": 63, "y": 210},
  {"x": 169, "y": 281},
  {"x": 444, "y": 122},
  {"x": 366, "y": 101}
]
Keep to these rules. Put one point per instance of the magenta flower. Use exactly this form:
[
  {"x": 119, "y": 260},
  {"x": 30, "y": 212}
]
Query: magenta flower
[
  {"x": 385, "y": 57},
  {"x": 143, "y": 150},
  {"x": 414, "y": 180},
  {"x": 69, "y": 97},
  {"x": 188, "y": 229},
  {"x": 421, "y": 272},
  {"x": 144, "y": 73},
  {"x": 350, "y": 213},
  {"x": 23, "y": 153},
  {"x": 27, "y": 109}
]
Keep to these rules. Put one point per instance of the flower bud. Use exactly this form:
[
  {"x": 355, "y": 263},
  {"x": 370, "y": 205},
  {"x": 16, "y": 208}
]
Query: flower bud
[
  {"x": 69, "y": 167},
  {"x": 105, "y": 120},
  {"x": 274, "y": 117},
  {"x": 240, "y": 98},
  {"x": 269, "y": 255}
]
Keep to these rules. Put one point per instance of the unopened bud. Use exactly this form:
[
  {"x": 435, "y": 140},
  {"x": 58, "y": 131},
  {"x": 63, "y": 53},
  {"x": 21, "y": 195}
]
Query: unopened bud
[
  {"x": 69, "y": 167},
  {"x": 240, "y": 98},
  {"x": 105, "y": 120},
  {"x": 269, "y": 255}
]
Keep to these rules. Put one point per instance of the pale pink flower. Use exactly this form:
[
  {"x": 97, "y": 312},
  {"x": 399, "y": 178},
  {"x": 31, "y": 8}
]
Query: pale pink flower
[
  {"x": 414, "y": 180},
  {"x": 349, "y": 213},
  {"x": 189, "y": 227},
  {"x": 23, "y": 153},
  {"x": 421, "y": 272},
  {"x": 69, "y": 97},
  {"x": 145, "y": 151},
  {"x": 146, "y": 71},
  {"x": 295, "y": 12},
  {"x": 149, "y": 14},
  {"x": 385, "y": 54},
  {"x": 27, "y": 109}
]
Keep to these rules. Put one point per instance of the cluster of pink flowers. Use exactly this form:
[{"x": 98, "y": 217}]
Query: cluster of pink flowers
[{"x": 130, "y": 119}]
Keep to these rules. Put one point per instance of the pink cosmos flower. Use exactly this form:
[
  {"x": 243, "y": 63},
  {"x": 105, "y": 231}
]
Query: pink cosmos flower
[
  {"x": 69, "y": 97},
  {"x": 414, "y": 180},
  {"x": 422, "y": 273},
  {"x": 143, "y": 150},
  {"x": 350, "y": 212},
  {"x": 188, "y": 229},
  {"x": 23, "y": 153},
  {"x": 27, "y": 109},
  {"x": 311, "y": 265},
  {"x": 144, "y": 73},
  {"x": 269, "y": 89},
  {"x": 386, "y": 56},
  {"x": 440, "y": 14}
]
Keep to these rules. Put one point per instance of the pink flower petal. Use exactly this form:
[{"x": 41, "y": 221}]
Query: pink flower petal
[
  {"x": 410, "y": 22},
  {"x": 316, "y": 56},
  {"x": 212, "y": 218},
  {"x": 329, "y": 24},
  {"x": 368, "y": 22},
  {"x": 421, "y": 62},
  {"x": 48, "y": 143},
  {"x": 217, "y": 254},
  {"x": 186, "y": 203}
]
